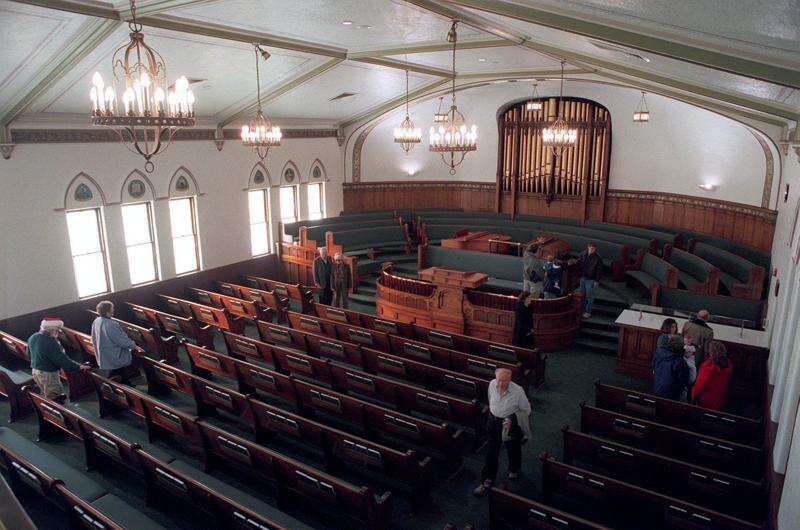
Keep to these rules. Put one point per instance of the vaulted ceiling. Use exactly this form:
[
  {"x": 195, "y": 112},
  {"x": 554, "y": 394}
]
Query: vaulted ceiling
[{"x": 737, "y": 57}]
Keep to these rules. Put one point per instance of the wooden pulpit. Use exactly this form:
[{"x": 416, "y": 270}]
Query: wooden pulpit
[{"x": 447, "y": 312}]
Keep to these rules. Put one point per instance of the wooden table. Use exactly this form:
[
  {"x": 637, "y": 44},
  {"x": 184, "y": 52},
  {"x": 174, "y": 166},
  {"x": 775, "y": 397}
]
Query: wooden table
[
  {"x": 475, "y": 241},
  {"x": 748, "y": 350}
]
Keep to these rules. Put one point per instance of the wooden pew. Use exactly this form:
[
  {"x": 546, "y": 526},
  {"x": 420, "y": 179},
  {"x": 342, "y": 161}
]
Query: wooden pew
[
  {"x": 215, "y": 317},
  {"x": 714, "y": 489},
  {"x": 715, "y": 453},
  {"x": 282, "y": 335},
  {"x": 627, "y": 505},
  {"x": 13, "y": 385},
  {"x": 108, "y": 512},
  {"x": 679, "y": 414},
  {"x": 509, "y": 510},
  {"x": 173, "y": 325},
  {"x": 150, "y": 340},
  {"x": 530, "y": 358},
  {"x": 237, "y": 308},
  {"x": 288, "y": 474},
  {"x": 269, "y": 299},
  {"x": 293, "y": 291},
  {"x": 338, "y": 330},
  {"x": 160, "y": 418}
]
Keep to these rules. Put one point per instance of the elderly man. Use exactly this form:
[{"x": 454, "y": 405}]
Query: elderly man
[
  {"x": 112, "y": 345},
  {"x": 508, "y": 422},
  {"x": 323, "y": 269},
  {"x": 48, "y": 356},
  {"x": 699, "y": 333},
  {"x": 341, "y": 281}
]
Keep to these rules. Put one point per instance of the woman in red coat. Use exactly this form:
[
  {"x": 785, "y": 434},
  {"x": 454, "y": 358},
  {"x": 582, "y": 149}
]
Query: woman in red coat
[{"x": 711, "y": 385}]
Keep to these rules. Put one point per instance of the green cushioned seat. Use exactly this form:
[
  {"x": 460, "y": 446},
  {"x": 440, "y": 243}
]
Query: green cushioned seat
[
  {"x": 363, "y": 238},
  {"x": 759, "y": 257},
  {"x": 727, "y": 280},
  {"x": 547, "y": 220},
  {"x": 727, "y": 262},
  {"x": 726, "y": 306},
  {"x": 642, "y": 277},
  {"x": 18, "y": 377},
  {"x": 124, "y": 514},
  {"x": 656, "y": 267},
  {"x": 690, "y": 264},
  {"x": 662, "y": 238},
  {"x": 121, "y": 428},
  {"x": 317, "y": 233},
  {"x": 247, "y": 501},
  {"x": 686, "y": 279},
  {"x": 77, "y": 481},
  {"x": 498, "y": 266},
  {"x": 293, "y": 228}
]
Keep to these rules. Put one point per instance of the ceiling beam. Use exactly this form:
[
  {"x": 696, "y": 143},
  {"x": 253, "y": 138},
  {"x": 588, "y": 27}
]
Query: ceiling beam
[
  {"x": 404, "y": 65},
  {"x": 393, "y": 103},
  {"x": 517, "y": 74},
  {"x": 91, "y": 34},
  {"x": 431, "y": 47},
  {"x": 727, "y": 60},
  {"x": 588, "y": 61},
  {"x": 272, "y": 95},
  {"x": 157, "y": 6}
]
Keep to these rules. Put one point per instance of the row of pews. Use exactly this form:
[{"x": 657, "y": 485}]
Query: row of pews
[
  {"x": 642, "y": 461},
  {"x": 395, "y": 402}
]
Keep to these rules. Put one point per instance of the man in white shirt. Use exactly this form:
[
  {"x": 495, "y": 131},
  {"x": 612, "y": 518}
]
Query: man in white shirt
[{"x": 509, "y": 408}]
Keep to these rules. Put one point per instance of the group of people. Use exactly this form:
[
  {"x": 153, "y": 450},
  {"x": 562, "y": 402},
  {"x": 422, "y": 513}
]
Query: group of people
[
  {"x": 690, "y": 365},
  {"x": 333, "y": 278},
  {"x": 111, "y": 344}
]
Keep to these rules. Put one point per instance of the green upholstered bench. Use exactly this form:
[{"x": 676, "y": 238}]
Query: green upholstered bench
[
  {"x": 662, "y": 238},
  {"x": 547, "y": 220},
  {"x": 31, "y": 464},
  {"x": 717, "y": 304},
  {"x": 654, "y": 272},
  {"x": 293, "y": 229},
  {"x": 740, "y": 277},
  {"x": 317, "y": 232},
  {"x": 12, "y": 383},
  {"x": 365, "y": 239},
  {"x": 759, "y": 257},
  {"x": 504, "y": 271},
  {"x": 694, "y": 273}
]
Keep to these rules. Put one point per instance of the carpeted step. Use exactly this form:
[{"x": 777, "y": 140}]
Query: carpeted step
[
  {"x": 366, "y": 299},
  {"x": 367, "y": 289},
  {"x": 599, "y": 334},
  {"x": 599, "y": 321},
  {"x": 605, "y": 348}
]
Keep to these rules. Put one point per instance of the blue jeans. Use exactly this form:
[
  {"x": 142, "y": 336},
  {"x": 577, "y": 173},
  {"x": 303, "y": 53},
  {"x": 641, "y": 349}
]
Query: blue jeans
[{"x": 587, "y": 291}]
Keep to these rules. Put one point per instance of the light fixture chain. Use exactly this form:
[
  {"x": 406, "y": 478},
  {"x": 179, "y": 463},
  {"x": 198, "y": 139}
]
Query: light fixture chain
[{"x": 258, "y": 79}]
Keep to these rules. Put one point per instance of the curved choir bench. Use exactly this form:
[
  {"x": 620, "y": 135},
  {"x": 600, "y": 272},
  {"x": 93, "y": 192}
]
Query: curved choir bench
[{"x": 452, "y": 302}]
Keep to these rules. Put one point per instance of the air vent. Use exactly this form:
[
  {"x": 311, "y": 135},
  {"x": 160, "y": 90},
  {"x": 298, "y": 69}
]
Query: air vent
[
  {"x": 619, "y": 50},
  {"x": 343, "y": 95}
]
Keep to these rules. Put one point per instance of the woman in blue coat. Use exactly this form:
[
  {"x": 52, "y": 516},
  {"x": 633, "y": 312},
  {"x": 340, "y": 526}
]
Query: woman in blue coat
[{"x": 670, "y": 372}]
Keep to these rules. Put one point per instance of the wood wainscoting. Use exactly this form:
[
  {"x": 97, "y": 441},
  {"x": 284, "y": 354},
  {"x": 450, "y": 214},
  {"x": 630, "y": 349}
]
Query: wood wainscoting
[{"x": 741, "y": 223}]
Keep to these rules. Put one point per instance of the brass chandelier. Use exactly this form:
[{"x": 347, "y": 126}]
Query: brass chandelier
[
  {"x": 452, "y": 139},
  {"x": 559, "y": 135},
  {"x": 150, "y": 112},
  {"x": 407, "y": 135},
  {"x": 260, "y": 134},
  {"x": 641, "y": 114},
  {"x": 535, "y": 103}
]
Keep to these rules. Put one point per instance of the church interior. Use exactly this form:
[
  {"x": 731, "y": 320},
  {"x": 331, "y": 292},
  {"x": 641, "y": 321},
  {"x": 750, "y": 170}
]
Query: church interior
[{"x": 400, "y": 264}]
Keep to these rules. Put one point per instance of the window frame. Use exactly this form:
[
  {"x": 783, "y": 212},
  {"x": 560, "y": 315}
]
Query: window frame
[
  {"x": 153, "y": 241},
  {"x": 265, "y": 197},
  {"x": 101, "y": 236},
  {"x": 296, "y": 213},
  {"x": 321, "y": 191},
  {"x": 195, "y": 234}
]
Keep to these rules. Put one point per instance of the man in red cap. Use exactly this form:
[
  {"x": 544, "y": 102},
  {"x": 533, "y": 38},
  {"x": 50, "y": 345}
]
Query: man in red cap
[{"x": 48, "y": 356}]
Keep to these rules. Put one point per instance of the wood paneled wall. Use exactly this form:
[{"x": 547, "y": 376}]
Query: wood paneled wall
[{"x": 748, "y": 225}]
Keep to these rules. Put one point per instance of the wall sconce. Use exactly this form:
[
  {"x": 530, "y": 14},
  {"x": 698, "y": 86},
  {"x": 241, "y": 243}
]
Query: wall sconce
[{"x": 707, "y": 186}]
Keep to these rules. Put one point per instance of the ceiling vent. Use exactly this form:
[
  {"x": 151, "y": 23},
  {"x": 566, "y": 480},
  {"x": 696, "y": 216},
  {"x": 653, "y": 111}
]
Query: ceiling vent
[
  {"x": 619, "y": 50},
  {"x": 343, "y": 95}
]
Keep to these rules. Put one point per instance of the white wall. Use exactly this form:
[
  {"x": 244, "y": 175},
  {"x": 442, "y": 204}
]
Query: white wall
[
  {"x": 35, "y": 267},
  {"x": 681, "y": 147}
]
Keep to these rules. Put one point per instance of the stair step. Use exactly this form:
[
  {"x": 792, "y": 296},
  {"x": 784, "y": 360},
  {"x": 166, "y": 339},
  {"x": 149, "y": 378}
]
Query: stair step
[
  {"x": 366, "y": 289},
  {"x": 367, "y": 299},
  {"x": 605, "y": 348},
  {"x": 599, "y": 334},
  {"x": 601, "y": 321}
]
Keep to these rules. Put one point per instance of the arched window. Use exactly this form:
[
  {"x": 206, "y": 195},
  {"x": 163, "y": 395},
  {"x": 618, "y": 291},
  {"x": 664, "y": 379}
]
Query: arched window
[
  {"x": 84, "y": 202},
  {"x": 525, "y": 162},
  {"x": 288, "y": 192},
  {"x": 183, "y": 221},
  {"x": 137, "y": 223},
  {"x": 258, "y": 201},
  {"x": 315, "y": 191}
]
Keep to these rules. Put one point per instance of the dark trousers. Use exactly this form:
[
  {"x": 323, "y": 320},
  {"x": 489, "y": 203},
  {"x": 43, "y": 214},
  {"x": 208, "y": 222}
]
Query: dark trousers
[
  {"x": 494, "y": 437},
  {"x": 325, "y": 295}
]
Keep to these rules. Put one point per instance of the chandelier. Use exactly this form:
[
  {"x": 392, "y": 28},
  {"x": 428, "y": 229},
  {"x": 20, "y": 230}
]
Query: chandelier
[
  {"x": 440, "y": 117},
  {"x": 150, "y": 111},
  {"x": 407, "y": 135},
  {"x": 559, "y": 135},
  {"x": 452, "y": 139},
  {"x": 535, "y": 103},
  {"x": 641, "y": 114},
  {"x": 260, "y": 134}
]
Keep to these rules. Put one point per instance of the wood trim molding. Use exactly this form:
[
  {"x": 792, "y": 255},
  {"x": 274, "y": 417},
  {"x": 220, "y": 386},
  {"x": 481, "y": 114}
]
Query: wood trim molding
[
  {"x": 769, "y": 171},
  {"x": 687, "y": 200},
  {"x": 405, "y": 184},
  {"x": 60, "y": 136}
]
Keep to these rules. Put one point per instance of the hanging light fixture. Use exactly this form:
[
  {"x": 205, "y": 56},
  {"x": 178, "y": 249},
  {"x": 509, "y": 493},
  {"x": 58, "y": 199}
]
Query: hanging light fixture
[
  {"x": 559, "y": 135},
  {"x": 406, "y": 134},
  {"x": 260, "y": 134},
  {"x": 440, "y": 117},
  {"x": 535, "y": 103},
  {"x": 641, "y": 114},
  {"x": 453, "y": 139},
  {"x": 150, "y": 112}
]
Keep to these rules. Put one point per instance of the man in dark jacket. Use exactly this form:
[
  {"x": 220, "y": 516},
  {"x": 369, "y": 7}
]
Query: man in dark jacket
[
  {"x": 322, "y": 269},
  {"x": 697, "y": 330},
  {"x": 591, "y": 267},
  {"x": 48, "y": 356},
  {"x": 670, "y": 371}
]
